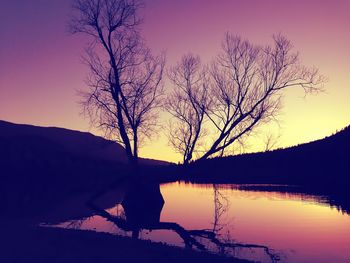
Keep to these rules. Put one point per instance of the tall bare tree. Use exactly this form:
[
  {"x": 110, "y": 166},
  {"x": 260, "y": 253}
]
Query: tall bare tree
[
  {"x": 245, "y": 86},
  {"x": 187, "y": 104},
  {"x": 125, "y": 78}
]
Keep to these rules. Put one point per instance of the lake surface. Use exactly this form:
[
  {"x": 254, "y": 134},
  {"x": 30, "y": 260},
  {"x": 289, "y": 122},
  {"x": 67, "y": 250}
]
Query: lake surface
[{"x": 297, "y": 227}]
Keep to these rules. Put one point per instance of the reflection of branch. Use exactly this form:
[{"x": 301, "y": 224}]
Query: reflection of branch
[
  {"x": 220, "y": 207},
  {"x": 188, "y": 236},
  {"x": 76, "y": 224},
  {"x": 212, "y": 237}
]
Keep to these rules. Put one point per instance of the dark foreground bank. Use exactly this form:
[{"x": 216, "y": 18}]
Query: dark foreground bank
[{"x": 24, "y": 244}]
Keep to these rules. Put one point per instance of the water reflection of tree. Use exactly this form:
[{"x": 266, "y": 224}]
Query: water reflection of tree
[
  {"x": 221, "y": 204},
  {"x": 77, "y": 224},
  {"x": 146, "y": 216}
]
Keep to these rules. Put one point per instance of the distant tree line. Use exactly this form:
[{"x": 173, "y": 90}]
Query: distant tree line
[{"x": 212, "y": 106}]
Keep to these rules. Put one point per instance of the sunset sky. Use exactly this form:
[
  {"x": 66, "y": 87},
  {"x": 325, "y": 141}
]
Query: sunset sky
[{"x": 41, "y": 69}]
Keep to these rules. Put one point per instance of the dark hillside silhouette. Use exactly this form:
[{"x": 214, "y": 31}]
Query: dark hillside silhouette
[
  {"x": 324, "y": 163},
  {"x": 70, "y": 141}
]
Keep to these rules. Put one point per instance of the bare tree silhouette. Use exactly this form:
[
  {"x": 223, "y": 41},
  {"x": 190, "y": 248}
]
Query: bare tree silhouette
[
  {"x": 245, "y": 84},
  {"x": 187, "y": 104},
  {"x": 125, "y": 77},
  {"x": 271, "y": 141}
]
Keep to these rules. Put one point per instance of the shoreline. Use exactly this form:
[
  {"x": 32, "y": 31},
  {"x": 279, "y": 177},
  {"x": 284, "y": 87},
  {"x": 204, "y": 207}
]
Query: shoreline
[{"x": 23, "y": 243}]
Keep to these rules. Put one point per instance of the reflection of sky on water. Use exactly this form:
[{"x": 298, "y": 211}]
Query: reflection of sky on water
[{"x": 302, "y": 228}]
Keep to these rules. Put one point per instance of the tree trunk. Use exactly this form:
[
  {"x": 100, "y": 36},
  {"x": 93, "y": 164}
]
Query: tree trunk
[{"x": 135, "y": 150}]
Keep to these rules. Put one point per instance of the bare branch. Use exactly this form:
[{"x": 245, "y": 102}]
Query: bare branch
[{"x": 187, "y": 104}]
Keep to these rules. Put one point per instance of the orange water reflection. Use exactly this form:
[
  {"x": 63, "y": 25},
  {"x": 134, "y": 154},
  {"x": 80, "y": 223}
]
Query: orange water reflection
[{"x": 302, "y": 228}]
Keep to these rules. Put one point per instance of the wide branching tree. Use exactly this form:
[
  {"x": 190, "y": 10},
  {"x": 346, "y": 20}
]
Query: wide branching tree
[
  {"x": 125, "y": 77},
  {"x": 242, "y": 89}
]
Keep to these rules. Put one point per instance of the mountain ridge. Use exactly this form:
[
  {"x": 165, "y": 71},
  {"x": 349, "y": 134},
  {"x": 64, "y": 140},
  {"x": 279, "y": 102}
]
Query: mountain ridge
[{"x": 72, "y": 141}]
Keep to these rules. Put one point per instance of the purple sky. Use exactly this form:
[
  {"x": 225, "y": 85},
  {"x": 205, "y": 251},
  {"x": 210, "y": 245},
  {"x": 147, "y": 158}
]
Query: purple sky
[{"x": 40, "y": 68}]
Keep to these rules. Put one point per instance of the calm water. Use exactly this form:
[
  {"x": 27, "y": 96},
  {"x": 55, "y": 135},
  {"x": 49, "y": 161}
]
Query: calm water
[{"x": 296, "y": 227}]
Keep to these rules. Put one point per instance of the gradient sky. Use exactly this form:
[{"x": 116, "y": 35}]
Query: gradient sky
[{"x": 40, "y": 67}]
